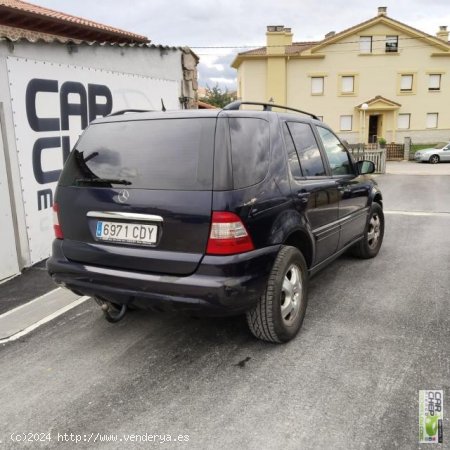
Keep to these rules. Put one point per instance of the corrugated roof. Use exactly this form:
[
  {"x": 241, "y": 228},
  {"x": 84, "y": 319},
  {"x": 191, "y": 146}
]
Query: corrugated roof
[
  {"x": 61, "y": 40},
  {"x": 25, "y": 15}
]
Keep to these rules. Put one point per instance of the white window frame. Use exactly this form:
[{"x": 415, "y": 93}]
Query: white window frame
[
  {"x": 344, "y": 90},
  {"x": 346, "y": 123},
  {"x": 321, "y": 81},
  {"x": 404, "y": 121},
  {"x": 406, "y": 86},
  {"x": 365, "y": 44},
  {"x": 434, "y": 82},
  {"x": 432, "y": 120}
]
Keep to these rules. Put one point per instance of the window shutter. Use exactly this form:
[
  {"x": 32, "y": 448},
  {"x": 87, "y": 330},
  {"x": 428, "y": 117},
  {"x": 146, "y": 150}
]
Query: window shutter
[
  {"x": 403, "y": 121},
  {"x": 317, "y": 85},
  {"x": 347, "y": 84},
  {"x": 346, "y": 123},
  {"x": 406, "y": 83},
  {"x": 365, "y": 44},
  {"x": 434, "y": 82},
  {"x": 432, "y": 120}
]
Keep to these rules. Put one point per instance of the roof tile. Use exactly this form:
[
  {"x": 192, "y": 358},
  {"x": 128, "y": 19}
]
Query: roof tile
[{"x": 42, "y": 12}]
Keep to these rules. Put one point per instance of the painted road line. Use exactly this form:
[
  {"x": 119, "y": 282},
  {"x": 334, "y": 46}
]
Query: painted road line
[
  {"x": 419, "y": 213},
  {"x": 45, "y": 320},
  {"x": 25, "y": 318},
  {"x": 35, "y": 300}
]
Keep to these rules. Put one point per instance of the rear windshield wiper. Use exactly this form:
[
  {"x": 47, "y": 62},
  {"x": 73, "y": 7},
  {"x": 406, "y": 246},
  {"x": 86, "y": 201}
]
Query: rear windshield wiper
[{"x": 103, "y": 181}]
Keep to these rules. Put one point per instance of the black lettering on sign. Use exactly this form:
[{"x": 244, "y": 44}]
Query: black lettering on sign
[
  {"x": 73, "y": 109},
  {"x": 87, "y": 108},
  {"x": 66, "y": 147},
  {"x": 37, "y": 123},
  {"x": 99, "y": 109},
  {"x": 41, "y": 144},
  {"x": 45, "y": 196}
]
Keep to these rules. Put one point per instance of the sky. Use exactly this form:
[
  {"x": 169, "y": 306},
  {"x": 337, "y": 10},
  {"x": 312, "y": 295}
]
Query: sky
[{"x": 231, "y": 26}]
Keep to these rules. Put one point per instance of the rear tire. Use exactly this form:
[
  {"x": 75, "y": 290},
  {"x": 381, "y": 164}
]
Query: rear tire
[
  {"x": 370, "y": 244},
  {"x": 434, "y": 159},
  {"x": 279, "y": 314}
]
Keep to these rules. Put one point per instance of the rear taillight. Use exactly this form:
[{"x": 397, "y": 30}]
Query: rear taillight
[
  {"x": 56, "y": 226},
  {"x": 228, "y": 235}
]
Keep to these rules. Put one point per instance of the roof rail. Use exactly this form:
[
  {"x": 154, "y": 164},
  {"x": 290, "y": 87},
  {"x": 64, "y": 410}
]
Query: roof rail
[
  {"x": 267, "y": 107},
  {"x": 124, "y": 111}
]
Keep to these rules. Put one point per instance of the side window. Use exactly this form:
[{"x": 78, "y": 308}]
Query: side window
[
  {"x": 294, "y": 164},
  {"x": 338, "y": 156},
  {"x": 250, "y": 150},
  {"x": 307, "y": 149}
]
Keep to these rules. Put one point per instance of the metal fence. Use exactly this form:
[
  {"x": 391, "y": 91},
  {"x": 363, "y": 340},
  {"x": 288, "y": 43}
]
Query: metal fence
[
  {"x": 370, "y": 152},
  {"x": 395, "y": 152}
]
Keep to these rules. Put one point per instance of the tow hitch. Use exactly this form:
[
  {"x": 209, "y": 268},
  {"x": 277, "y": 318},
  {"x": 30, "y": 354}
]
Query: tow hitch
[{"x": 113, "y": 313}]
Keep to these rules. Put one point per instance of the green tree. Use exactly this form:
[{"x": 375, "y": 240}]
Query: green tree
[{"x": 217, "y": 97}]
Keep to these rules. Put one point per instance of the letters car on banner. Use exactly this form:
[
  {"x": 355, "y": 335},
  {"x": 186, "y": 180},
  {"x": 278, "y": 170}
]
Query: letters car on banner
[{"x": 52, "y": 103}]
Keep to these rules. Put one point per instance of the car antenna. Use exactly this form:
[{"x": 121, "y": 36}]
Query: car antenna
[{"x": 163, "y": 107}]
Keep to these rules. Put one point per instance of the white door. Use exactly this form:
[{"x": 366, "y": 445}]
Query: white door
[{"x": 8, "y": 254}]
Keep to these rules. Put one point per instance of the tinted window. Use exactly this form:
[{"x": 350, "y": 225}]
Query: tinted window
[
  {"x": 307, "y": 149},
  {"x": 173, "y": 154},
  {"x": 337, "y": 155},
  {"x": 294, "y": 164},
  {"x": 249, "y": 150}
]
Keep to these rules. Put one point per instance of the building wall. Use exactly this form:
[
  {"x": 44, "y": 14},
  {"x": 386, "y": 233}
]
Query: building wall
[
  {"x": 375, "y": 74},
  {"x": 137, "y": 76},
  {"x": 252, "y": 81}
]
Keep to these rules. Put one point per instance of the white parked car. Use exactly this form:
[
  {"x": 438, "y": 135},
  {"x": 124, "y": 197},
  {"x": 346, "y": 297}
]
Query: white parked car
[{"x": 434, "y": 155}]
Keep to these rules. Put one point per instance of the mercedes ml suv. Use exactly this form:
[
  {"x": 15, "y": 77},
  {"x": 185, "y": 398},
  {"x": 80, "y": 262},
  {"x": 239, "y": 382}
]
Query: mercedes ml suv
[{"x": 215, "y": 212}]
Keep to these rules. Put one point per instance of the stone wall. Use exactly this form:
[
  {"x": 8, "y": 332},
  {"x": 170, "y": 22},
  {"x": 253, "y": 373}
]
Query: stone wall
[
  {"x": 19, "y": 33},
  {"x": 190, "y": 76}
]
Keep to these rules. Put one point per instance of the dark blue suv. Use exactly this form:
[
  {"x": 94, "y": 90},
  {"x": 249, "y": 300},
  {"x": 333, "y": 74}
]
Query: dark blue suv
[{"x": 213, "y": 212}]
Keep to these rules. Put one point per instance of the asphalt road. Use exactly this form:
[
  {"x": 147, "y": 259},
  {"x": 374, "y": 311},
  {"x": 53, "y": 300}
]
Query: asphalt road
[{"x": 375, "y": 333}]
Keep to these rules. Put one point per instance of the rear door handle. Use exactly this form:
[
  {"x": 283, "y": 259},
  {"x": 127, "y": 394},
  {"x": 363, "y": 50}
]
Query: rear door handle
[{"x": 303, "y": 196}]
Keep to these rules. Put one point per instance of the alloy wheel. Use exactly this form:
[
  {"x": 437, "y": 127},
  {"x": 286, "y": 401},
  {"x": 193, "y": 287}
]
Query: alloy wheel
[
  {"x": 291, "y": 294},
  {"x": 373, "y": 234}
]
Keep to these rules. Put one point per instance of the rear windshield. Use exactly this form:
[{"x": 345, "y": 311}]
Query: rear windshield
[{"x": 169, "y": 154}]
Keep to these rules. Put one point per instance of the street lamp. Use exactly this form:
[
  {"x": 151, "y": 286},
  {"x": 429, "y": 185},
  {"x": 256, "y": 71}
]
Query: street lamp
[{"x": 364, "y": 108}]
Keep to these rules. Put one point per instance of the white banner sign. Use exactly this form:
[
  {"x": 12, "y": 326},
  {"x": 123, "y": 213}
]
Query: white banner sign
[{"x": 52, "y": 104}]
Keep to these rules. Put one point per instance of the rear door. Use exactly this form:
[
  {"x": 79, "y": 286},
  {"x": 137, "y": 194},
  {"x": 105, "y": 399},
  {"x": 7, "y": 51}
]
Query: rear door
[
  {"x": 354, "y": 190},
  {"x": 314, "y": 191},
  {"x": 136, "y": 194}
]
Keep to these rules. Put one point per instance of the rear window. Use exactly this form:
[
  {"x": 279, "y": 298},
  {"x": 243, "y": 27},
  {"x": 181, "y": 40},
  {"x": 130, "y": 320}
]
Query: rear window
[
  {"x": 169, "y": 154},
  {"x": 249, "y": 150}
]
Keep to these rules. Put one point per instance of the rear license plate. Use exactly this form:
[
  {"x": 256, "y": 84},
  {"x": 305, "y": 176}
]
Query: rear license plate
[{"x": 132, "y": 233}]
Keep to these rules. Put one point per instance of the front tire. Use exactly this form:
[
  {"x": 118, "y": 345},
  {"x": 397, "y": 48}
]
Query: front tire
[
  {"x": 279, "y": 314},
  {"x": 434, "y": 159},
  {"x": 370, "y": 245}
]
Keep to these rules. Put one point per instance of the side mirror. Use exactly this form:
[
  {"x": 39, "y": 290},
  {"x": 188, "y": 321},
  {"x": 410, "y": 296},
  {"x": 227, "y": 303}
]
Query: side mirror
[{"x": 365, "y": 167}]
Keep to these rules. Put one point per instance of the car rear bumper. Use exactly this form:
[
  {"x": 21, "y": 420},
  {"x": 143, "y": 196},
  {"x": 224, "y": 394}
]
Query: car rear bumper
[{"x": 222, "y": 285}]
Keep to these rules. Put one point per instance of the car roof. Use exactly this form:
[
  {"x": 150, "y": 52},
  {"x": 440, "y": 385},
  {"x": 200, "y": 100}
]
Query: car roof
[{"x": 199, "y": 113}]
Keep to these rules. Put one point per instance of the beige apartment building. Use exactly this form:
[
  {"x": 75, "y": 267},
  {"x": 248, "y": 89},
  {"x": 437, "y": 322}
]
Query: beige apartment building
[{"x": 380, "y": 78}]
